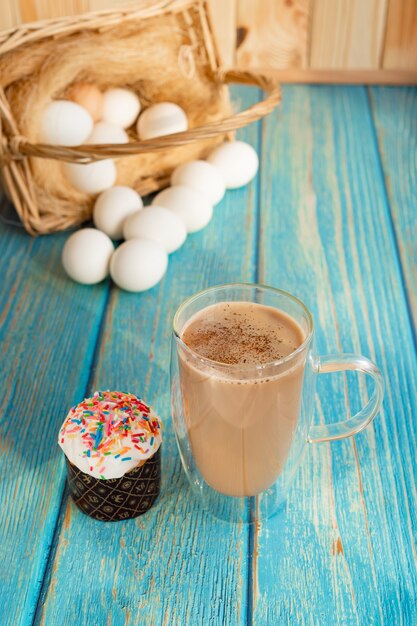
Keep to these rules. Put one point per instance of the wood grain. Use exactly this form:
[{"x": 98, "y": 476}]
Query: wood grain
[
  {"x": 176, "y": 565},
  {"x": 9, "y": 15},
  {"x": 48, "y": 329},
  {"x": 224, "y": 15},
  {"x": 347, "y": 35},
  {"x": 273, "y": 33},
  {"x": 397, "y": 140},
  {"x": 343, "y": 548},
  {"x": 28, "y": 10},
  {"x": 32, "y": 10},
  {"x": 400, "y": 47}
]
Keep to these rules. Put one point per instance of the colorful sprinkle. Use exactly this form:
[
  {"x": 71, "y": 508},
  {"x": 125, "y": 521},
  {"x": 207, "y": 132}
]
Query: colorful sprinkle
[{"x": 111, "y": 424}]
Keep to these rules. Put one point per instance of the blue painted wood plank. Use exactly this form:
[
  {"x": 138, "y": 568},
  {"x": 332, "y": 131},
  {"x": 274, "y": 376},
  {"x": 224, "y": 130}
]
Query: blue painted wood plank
[
  {"x": 343, "y": 548},
  {"x": 395, "y": 116},
  {"x": 175, "y": 565},
  {"x": 48, "y": 329}
]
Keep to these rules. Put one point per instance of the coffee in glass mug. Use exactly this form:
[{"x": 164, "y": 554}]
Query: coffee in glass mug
[{"x": 243, "y": 372}]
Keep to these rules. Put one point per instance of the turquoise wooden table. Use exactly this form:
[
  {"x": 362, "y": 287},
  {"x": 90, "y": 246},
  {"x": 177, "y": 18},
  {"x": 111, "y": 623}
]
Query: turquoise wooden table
[{"x": 331, "y": 217}]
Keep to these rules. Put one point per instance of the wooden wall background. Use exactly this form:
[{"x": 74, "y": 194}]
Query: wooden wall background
[{"x": 301, "y": 40}]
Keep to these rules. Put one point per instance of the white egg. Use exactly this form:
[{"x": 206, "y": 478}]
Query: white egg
[
  {"x": 201, "y": 176},
  {"x": 65, "y": 123},
  {"x": 91, "y": 177},
  {"x": 164, "y": 118},
  {"x": 138, "y": 264},
  {"x": 156, "y": 223},
  {"x": 120, "y": 107},
  {"x": 191, "y": 206},
  {"x": 112, "y": 207},
  {"x": 237, "y": 162},
  {"x": 86, "y": 256},
  {"x": 103, "y": 132}
]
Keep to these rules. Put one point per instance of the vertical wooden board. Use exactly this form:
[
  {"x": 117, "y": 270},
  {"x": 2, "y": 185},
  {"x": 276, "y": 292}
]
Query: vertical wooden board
[
  {"x": 343, "y": 549},
  {"x": 9, "y": 14},
  {"x": 28, "y": 10},
  {"x": 46, "y": 9},
  {"x": 395, "y": 116},
  {"x": 48, "y": 330},
  {"x": 347, "y": 35},
  {"x": 101, "y": 5},
  {"x": 223, "y": 15},
  {"x": 175, "y": 565},
  {"x": 273, "y": 33},
  {"x": 16, "y": 12},
  {"x": 400, "y": 45}
]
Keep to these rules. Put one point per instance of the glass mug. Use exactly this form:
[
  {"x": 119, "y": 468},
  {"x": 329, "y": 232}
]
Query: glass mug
[{"x": 241, "y": 429}]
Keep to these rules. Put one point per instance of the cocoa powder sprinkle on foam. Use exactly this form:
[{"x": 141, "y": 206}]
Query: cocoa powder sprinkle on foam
[{"x": 242, "y": 333}]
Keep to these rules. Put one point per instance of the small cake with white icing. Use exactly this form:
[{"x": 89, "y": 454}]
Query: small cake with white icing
[{"x": 112, "y": 446}]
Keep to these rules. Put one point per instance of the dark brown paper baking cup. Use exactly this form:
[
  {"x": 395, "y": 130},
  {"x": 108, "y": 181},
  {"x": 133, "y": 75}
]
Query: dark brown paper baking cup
[{"x": 116, "y": 498}]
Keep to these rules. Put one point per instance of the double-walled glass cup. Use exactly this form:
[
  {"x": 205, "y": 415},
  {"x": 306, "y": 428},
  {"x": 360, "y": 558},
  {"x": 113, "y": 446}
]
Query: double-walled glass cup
[{"x": 241, "y": 429}]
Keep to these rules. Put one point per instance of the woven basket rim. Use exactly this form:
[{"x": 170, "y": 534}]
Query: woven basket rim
[{"x": 17, "y": 36}]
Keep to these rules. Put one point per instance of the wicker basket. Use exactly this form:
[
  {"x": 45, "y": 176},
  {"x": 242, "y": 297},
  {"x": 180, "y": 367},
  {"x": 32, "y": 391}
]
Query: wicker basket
[{"x": 30, "y": 170}]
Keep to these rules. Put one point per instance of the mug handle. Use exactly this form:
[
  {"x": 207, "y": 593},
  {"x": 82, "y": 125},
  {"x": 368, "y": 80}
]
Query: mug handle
[{"x": 347, "y": 428}]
